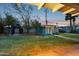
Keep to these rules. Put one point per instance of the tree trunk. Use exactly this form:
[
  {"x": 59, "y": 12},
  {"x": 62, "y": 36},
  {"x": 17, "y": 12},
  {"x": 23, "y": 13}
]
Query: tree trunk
[
  {"x": 71, "y": 27},
  {"x": 28, "y": 26},
  {"x": 74, "y": 25},
  {"x": 46, "y": 17},
  {"x": 1, "y": 29}
]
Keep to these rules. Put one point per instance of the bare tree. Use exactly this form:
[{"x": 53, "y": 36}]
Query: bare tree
[{"x": 25, "y": 12}]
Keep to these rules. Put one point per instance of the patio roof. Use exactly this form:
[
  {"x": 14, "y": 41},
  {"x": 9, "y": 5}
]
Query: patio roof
[{"x": 72, "y": 8}]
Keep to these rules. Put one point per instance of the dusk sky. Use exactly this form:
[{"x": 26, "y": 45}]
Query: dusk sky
[{"x": 53, "y": 17}]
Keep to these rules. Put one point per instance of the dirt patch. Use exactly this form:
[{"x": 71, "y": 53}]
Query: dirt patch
[{"x": 50, "y": 51}]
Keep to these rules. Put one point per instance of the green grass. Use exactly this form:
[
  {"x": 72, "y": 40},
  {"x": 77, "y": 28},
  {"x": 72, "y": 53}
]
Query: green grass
[
  {"x": 16, "y": 43},
  {"x": 74, "y": 36}
]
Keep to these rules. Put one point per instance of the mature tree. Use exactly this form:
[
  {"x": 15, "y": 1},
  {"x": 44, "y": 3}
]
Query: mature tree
[
  {"x": 72, "y": 21},
  {"x": 36, "y": 25},
  {"x": 68, "y": 17},
  {"x": 11, "y": 23},
  {"x": 1, "y": 25},
  {"x": 10, "y": 20},
  {"x": 25, "y": 12}
]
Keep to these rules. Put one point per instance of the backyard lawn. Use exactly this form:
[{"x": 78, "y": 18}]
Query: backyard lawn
[
  {"x": 34, "y": 45},
  {"x": 74, "y": 36}
]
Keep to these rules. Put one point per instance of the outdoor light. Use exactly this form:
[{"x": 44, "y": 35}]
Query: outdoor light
[
  {"x": 57, "y": 7},
  {"x": 53, "y": 6},
  {"x": 68, "y": 11},
  {"x": 75, "y": 14}
]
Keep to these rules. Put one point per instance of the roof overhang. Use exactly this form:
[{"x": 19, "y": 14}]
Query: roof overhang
[{"x": 72, "y": 8}]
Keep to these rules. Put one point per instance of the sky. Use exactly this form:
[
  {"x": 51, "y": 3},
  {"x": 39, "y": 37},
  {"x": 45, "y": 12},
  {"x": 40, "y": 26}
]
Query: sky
[{"x": 52, "y": 17}]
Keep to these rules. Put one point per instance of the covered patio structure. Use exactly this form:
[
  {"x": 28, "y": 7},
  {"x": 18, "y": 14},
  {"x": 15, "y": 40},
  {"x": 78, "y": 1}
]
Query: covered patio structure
[{"x": 71, "y": 10}]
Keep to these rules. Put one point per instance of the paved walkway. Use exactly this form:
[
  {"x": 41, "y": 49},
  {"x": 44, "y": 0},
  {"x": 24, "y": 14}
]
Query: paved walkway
[{"x": 67, "y": 38}]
